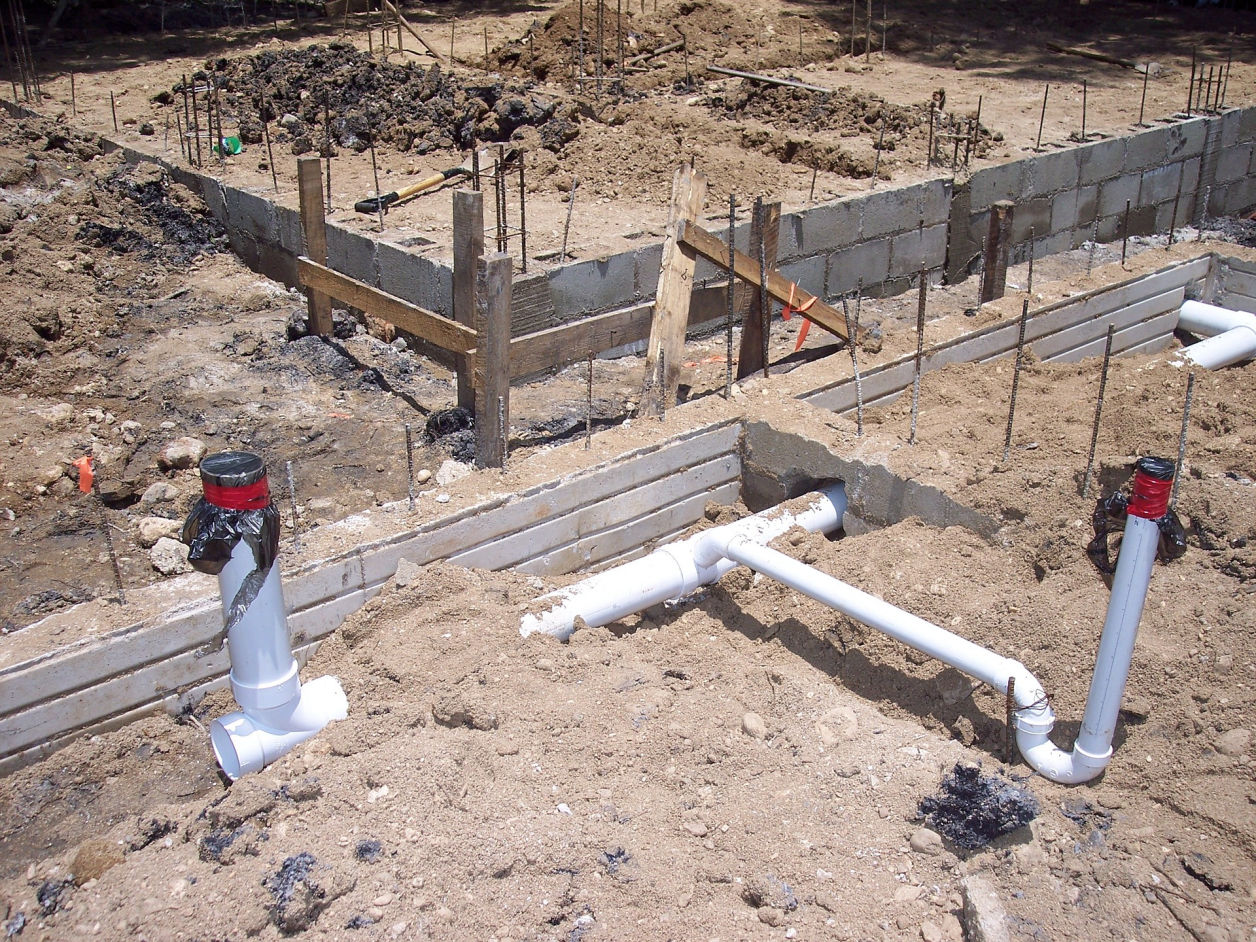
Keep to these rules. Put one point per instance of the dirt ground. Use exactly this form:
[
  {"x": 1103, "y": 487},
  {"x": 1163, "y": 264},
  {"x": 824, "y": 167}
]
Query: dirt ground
[
  {"x": 743, "y": 765},
  {"x": 622, "y": 140}
]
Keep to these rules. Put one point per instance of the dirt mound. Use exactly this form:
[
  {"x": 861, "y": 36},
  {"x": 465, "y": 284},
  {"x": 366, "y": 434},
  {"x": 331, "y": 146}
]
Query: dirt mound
[{"x": 416, "y": 109}]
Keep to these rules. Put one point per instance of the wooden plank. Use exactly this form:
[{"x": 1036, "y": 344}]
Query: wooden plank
[
  {"x": 314, "y": 236},
  {"x": 998, "y": 248},
  {"x": 468, "y": 247},
  {"x": 589, "y": 551},
  {"x": 714, "y": 250},
  {"x": 492, "y": 359},
  {"x": 765, "y": 230},
  {"x": 413, "y": 32},
  {"x": 441, "y": 331},
  {"x": 611, "y": 511},
  {"x": 768, "y": 79},
  {"x": 666, "y": 346},
  {"x": 531, "y": 305},
  {"x": 570, "y": 343}
]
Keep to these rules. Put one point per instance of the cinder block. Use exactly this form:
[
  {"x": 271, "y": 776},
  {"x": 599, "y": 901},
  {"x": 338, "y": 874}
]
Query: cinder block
[
  {"x": 1053, "y": 244},
  {"x": 868, "y": 260},
  {"x": 1143, "y": 220},
  {"x": 1186, "y": 139},
  {"x": 1190, "y": 175},
  {"x": 1087, "y": 204},
  {"x": 1159, "y": 184},
  {"x": 937, "y": 201},
  {"x": 1238, "y": 197},
  {"x": 1049, "y": 173},
  {"x": 274, "y": 262},
  {"x": 1146, "y": 149},
  {"x": 288, "y": 230},
  {"x": 1110, "y": 227},
  {"x": 351, "y": 254},
  {"x": 399, "y": 272},
  {"x": 890, "y": 211},
  {"x": 1063, "y": 212},
  {"x": 1231, "y": 128},
  {"x": 599, "y": 285},
  {"x": 1032, "y": 214},
  {"x": 1114, "y": 193},
  {"x": 808, "y": 273},
  {"x": 1164, "y": 217},
  {"x": 1247, "y": 123},
  {"x": 995, "y": 183},
  {"x": 1234, "y": 162},
  {"x": 912, "y": 251},
  {"x": 820, "y": 230},
  {"x": 250, "y": 213},
  {"x": 1100, "y": 161},
  {"x": 647, "y": 262}
]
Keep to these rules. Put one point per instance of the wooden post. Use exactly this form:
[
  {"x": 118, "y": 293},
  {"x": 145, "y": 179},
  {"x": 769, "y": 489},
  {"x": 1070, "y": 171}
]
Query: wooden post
[
  {"x": 314, "y": 235},
  {"x": 671, "y": 303},
  {"x": 492, "y": 359},
  {"x": 998, "y": 246},
  {"x": 765, "y": 229},
  {"x": 468, "y": 247}
]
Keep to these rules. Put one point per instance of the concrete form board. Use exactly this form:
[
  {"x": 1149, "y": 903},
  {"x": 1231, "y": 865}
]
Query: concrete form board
[{"x": 608, "y": 513}]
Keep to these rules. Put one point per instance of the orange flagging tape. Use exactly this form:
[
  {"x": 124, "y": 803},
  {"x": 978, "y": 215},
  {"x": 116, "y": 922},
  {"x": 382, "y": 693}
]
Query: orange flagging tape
[
  {"x": 86, "y": 477},
  {"x": 802, "y": 309}
]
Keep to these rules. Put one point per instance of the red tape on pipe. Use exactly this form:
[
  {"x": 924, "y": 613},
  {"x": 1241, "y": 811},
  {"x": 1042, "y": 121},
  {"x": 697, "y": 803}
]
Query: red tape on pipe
[
  {"x": 1150, "y": 499},
  {"x": 251, "y": 497}
]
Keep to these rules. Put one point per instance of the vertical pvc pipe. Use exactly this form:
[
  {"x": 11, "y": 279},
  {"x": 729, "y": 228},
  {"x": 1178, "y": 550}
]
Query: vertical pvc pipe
[{"x": 1153, "y": 482}]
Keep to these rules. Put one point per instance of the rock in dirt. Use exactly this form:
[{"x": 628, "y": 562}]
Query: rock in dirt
[
  {"x": 302, "y": 889},
  {"x": 753, "y": 726},
  {"x": 159, "y": 492},
  {"x": 181, "y": 453},
  {"x": 93, "y": 858},
  {"x": 456, "y": 712},
  {"x": 407, "y": 572},
  {"x": 152, "y": 529},
  {"x": 926, "y": 841},
  {"x": 451, "y": 471},
  {"x": 169, "y": 557},
  {"x": 837, "y": 725},
  {"x": 985, "y": 920},
  {"x": 1234, "y": 742}
]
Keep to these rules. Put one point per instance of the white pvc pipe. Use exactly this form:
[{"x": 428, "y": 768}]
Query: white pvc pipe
[
  {"x": 702, "y": 558},
  {"x": 1231, "y": 335},
  {"x": 672, "y": 571},
  {"x": 277, "y": 711}
]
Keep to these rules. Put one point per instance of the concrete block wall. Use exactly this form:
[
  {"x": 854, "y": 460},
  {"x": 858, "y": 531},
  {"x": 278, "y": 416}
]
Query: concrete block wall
[{"x": 1203, "y": 164}]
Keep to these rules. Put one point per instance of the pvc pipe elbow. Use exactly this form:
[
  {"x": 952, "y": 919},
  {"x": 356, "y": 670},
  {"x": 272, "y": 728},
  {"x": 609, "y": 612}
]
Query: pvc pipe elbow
[
  {"x": 1052, "y": 762},
  {"x": 1231, "y": 335},
  {"x": 247, "y": 742}
]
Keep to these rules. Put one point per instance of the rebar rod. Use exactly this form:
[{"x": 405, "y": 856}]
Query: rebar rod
[
  {"x": 1186, "y": 424},
  {"x": 1094, "y": 429}
]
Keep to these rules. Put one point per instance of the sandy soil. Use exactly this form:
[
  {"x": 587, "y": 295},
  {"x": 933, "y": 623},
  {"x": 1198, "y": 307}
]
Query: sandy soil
[
  {"x": 750, "y": 140},
  {"x": 742, "y": 765}
]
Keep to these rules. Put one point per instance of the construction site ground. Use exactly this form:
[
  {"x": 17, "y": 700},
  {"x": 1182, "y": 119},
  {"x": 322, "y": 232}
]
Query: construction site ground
[{"x": 745, "y": 765}]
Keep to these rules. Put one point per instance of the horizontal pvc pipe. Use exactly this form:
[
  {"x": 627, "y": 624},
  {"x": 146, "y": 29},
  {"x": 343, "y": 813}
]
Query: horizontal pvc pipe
[
  {"x": 1231, "y": 335},
  {"x": 674, "y": 570}
]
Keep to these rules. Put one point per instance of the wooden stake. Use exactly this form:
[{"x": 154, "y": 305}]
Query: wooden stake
[
  {"x": 314, "y": 232},
  {"x": 492, "y": 358},
  {"x": 996, "y": 250},
  {"x": 1186, "y": 424},
  {"x": 1016, "y": 371},
  {"x": 921, "y": 301},
  {"x": 665, "y": 349},
  {"x": 765, "y": 308},
  {"x": 108, "y": 536},
  {"x": 764, "y": 231},
  {"x": 468, "y": 238}
]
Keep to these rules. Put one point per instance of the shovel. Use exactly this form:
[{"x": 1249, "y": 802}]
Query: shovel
[{"x": 375, "y": 204}]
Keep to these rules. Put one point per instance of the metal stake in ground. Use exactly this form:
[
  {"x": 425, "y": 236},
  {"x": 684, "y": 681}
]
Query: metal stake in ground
[
  {"x": 571, "y": 202},
  {"x": 379, "y": 204},
  {"x": 1186, "y": 424},
  {"x": 1177, "y": 197},
  {"x": 1085, "y": 88},
  {"x": 588, "y": 405},
  {"x": 104, "y": 531},
  {"x": 523, "y": 218},
  {"x": 113, "y": 108},
  {"x": 73, "y": 97},
  {"x": 1143, "y": 103},
  {"x": 932, "y": 115},
  {"x": 1029, "y": 280},
  {"x": 876, "y": 162},
  {"x": 1016, "y": 371},
  {"x": 921, "y": 302},
  {"x": 765, "y": 302},
  {"x": 327, "y": 142},
  {"x": 270, "y": 154},
  {"x": 1043, "y": 117},
  {"x": 728, "y": 324},
  {"x": 852, "y": 342},
  {"x": 1203, "y": 214},
  {"x": 1094, "y": 241},
  {"x": 1125, "y": 233},
  {"x": 292, "y": 506},
  {"x": 1094, "y": 430},
  {"x": 410, "y": 465},
  {"x": 196, "y": 124},
  {"x": 1190, "y": 86}
]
